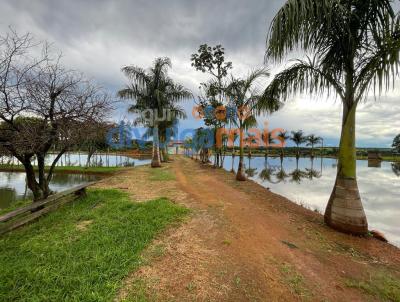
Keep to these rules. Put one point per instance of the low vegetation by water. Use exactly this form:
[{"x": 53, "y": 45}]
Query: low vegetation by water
[
  {"x": 83, "y": 251},
  {"x": 15, "y": 205}
]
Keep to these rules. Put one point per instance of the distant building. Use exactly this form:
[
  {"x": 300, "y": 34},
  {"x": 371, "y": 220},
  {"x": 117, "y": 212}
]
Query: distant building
[
  {"x": 374, "y": 155},
  {"x": 176, "y": 146}
]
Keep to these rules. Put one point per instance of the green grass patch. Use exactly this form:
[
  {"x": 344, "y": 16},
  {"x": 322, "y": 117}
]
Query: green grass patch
[
  {"x": 161, "y": 174},
  {"x": 15, "y": 205},
  {"x": 294, "y": 280},
  {"x": 381, "y": 285},
  {"x": 68, "y": 169},
  {"x": 54, "y": 259}
]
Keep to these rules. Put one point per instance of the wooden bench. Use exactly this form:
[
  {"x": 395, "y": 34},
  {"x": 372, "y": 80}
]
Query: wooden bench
[{"x": 22, "y": 216}]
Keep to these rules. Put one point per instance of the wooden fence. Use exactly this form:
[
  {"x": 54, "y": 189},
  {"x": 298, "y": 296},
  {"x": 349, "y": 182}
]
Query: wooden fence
[{"x": 22, "y": 216}]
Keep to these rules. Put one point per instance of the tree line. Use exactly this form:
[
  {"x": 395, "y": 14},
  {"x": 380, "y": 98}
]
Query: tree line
[{"x": 351, "y": 51}]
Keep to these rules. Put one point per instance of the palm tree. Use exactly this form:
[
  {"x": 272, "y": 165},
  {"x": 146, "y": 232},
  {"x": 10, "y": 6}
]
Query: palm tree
[
  {"x": 267, "y": 172},
  {"x": 250, "y": 172},
  {"x": 200, "y": 140},
  {"x": 311, "y": 172},
  {"x": 245, "y": 96},
  {"x": 281, "y": 174},
  {"x": 153, "y": 90},
  {"x": 235, "y": 137},
  {"x": 354, "y": 46},
  {"x": 298, "y": 138},
  {"x": 268, "y": 140},
  {"x": 188, "y": 143},
  {"x": 297, "y": 175},
  {"x": 250, "y": 140},
  {"x": 283, "y": 137},
  {"x": 312, "y": 140},
  {"x": 396, "y": 144},
  {"x": 166, "y": 130}
]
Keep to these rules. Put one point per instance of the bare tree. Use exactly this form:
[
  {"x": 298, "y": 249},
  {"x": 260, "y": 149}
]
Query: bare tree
[
  {"x": 43, "y": 106},
  {"x": 95, "y": 138}
]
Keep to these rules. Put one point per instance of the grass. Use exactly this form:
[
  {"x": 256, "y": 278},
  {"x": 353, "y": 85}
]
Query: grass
[
  {"x": 54, "y": 260},
  {"x": 381, "y": 285},
  {"x": 68, "y": 169},
  {"x": 294, "y": 280},
  {"x": 161, "y": 174},
  {"x": 15, "y": 205},
  {"x": 139, "y": 291}
]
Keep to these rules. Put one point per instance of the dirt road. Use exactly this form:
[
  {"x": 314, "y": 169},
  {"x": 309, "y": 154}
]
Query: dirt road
[{"x": 244, "y": 243}]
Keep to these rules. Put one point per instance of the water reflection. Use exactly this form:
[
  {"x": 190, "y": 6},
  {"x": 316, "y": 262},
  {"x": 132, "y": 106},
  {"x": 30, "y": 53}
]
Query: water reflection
[
  {"x": 82, "y": 160},
  {"x": 310, "y": 181},
  {"x": 396, "y": 168},
  {"x": 13, "y": 185}
]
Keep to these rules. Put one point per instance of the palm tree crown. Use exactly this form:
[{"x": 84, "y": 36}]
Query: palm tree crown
[
  {"x": 312, "y": 140},
  {"x": 283, "y": 136},
  {"x": 246, "y": 96},
  {"x": 153, "y": 89},
  {"x": 354, "y": 45},
  {"x": 298, "y": 137}
]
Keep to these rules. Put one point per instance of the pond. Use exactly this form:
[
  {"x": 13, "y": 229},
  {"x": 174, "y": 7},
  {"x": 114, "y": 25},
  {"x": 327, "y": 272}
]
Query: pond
[
  {"x": 80, "y": 160},
  {"x": 310, "y": 182},
  {"x": 13, "y": 184}
]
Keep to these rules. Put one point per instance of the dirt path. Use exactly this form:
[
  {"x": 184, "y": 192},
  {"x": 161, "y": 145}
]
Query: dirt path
[{"x": 244, "y": 243}]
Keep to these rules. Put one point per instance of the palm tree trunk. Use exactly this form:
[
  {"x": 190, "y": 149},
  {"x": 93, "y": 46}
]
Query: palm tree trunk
[
  {"x": 344, "y": 211},
  {"x": 240, "y": 176},
  {"x": 155, "y": 161}
]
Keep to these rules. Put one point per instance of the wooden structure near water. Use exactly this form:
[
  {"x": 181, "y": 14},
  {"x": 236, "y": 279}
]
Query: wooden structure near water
[{"x": 29, "y": 213}]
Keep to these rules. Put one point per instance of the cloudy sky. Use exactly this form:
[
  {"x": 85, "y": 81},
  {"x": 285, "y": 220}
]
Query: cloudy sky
[{"x": 98, "y": 37}]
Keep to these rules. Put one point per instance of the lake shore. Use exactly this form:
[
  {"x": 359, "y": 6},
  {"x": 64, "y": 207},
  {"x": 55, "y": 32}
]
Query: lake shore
[
  {"x": 383, "y": 158},
  {"x": 69, "y": 169},
  {"x": 244, "y": 242}
]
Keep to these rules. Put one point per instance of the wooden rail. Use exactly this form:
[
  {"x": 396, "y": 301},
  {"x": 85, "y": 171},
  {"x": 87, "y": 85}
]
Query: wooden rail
[{"x": 22, "y": 216}]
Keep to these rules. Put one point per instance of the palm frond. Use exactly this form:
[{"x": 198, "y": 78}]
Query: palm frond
[
  {"x": 303, "y": 76},
  {"x": 301, "y": 23}
]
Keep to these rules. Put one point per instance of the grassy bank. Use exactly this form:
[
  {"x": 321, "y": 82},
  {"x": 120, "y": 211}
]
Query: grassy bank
[
  {"x": 68, "y": 169},
  {"x": 15, "y": 205},
  {"x": 83, "y": 251}
]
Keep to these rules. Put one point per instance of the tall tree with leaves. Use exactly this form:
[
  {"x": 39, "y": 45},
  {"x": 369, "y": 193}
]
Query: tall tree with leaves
[
  {"x": 245, "y": 95},
  {"x": 268, "y": 141},
  {"x": 312, "y": 140},
  {"x": 153, "y": 90},
  {"x": 211, "y": 60},
  {"x": 167, "y": 129},
  {"x": 298, "y": 138},
  {"x": 396, "y": 143},
  {"x": 283, "y": 136},
  {"x": 354, "y": 46},
  {"x": 43, "y": 107}
]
